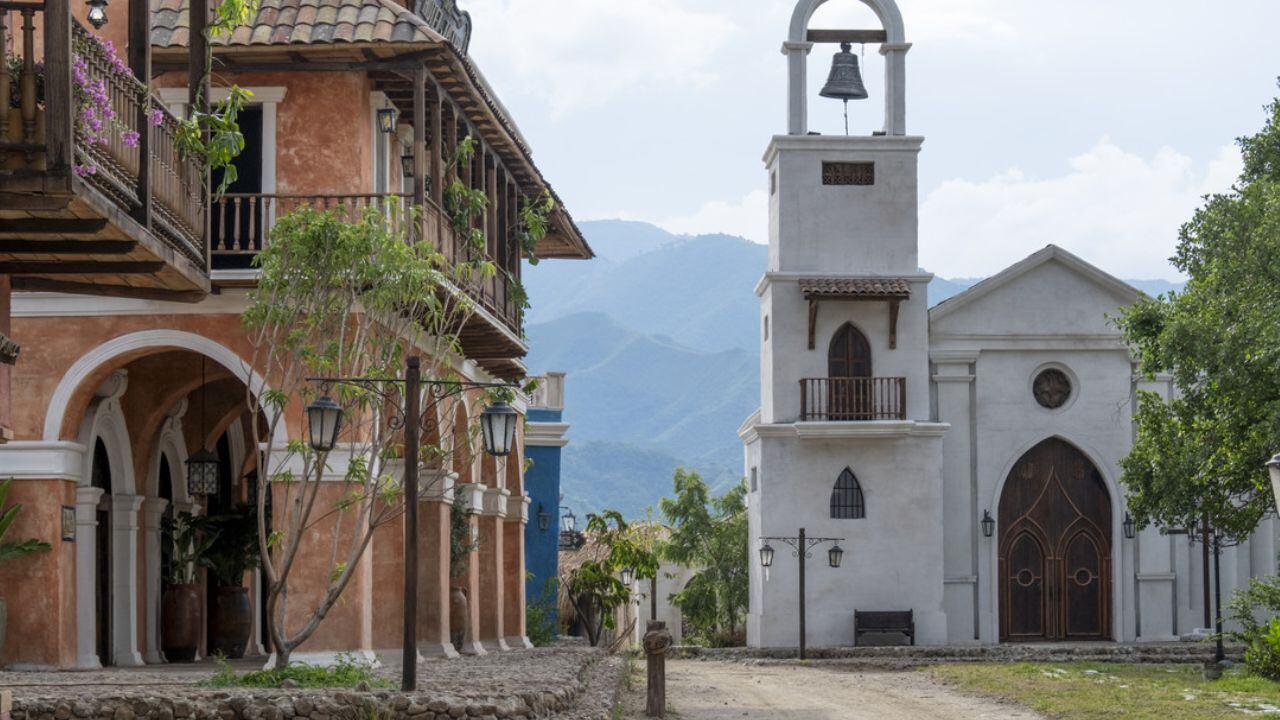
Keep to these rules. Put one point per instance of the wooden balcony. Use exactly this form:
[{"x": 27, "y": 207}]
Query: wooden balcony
[
  {"x": 241, "y": 227},
  {"x": 853, "y": 399},
  {"x": 112, "y": 211}
]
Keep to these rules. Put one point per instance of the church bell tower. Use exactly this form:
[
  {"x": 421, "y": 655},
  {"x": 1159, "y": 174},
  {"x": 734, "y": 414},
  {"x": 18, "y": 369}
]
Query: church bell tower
[{"x": 843, "y": 444}]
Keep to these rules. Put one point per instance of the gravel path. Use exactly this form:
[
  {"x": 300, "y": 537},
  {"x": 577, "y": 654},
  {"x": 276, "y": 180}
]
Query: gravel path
[{"x": 707, "y": 690}]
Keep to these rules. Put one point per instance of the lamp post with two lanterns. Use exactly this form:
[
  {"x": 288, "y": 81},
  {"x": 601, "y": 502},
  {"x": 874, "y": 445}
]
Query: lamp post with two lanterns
[
  {"x": 801, "y": 545},
  {"x": 497, "y": 428}
]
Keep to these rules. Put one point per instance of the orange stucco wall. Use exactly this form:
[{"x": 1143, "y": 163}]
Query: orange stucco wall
[
  {"x": 39, "y": 589},
  {"x": 5, "y": 371}
]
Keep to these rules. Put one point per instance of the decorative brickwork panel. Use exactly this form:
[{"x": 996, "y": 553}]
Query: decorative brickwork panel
[{"x": 848, "y": 173}]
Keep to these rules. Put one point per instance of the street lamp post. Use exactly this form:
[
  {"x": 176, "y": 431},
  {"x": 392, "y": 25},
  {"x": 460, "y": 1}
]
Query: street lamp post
[
  {"x": 801, "y": 545},
  {"x": 498, "y": 425}
]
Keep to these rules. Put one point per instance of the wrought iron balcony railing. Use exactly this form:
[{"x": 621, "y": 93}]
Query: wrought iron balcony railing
[{"x": 853, "y": 399}]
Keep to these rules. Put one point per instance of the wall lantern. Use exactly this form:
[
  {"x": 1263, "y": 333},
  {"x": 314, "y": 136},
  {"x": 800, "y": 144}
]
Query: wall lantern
[
  {"x": 387, "y": 119},
  {"x": 324, "y": 420},
  {"x": 97, "y": 13},
  {"x": 766, "y": 555},
  {"x": 835, "y": 555},
  {"x": 1130, "y": 530},
  {"x": 498, "y": 427},
  {"x": 626, "y": 576},
  {"x": 568, "y": 521},
  {"x": 68, "y": 523},
  {"x": 544, "y": 518},
  {"x": 202, "y": 467},
  {"x": 1273, "y": 467},
  {"x": 406, "y": 166},
  {"x": 988, "y": 524}
]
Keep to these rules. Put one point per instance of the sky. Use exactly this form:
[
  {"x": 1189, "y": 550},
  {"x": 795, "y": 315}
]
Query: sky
[{"x": 1097, "y": 125}]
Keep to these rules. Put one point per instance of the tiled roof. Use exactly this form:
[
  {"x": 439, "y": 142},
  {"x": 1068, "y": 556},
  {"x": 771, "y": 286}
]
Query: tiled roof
[
  {"x": 856, "y": 287},
  {"x": 301, "y": 22}
]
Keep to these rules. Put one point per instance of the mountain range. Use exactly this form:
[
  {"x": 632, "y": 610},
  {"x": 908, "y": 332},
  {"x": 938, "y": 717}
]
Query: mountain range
[{"x": 658, "y": 336}]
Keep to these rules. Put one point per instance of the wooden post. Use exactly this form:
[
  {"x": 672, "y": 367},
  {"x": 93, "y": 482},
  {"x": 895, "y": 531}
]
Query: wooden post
[
  {"x": 198, "y": 100},
  {"x": 59, "y": 117},
  {"x": 140, "y": 64},
  {"x": 657, "y": 640},
  {"x": 412, "y": 437},
  {"x": 420, "y": 145}
]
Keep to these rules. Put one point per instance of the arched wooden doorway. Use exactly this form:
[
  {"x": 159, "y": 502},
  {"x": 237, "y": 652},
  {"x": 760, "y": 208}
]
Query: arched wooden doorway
[
  {"x": 849, "y": 370},
  {"x": 1055, "y": 548},
  {"x": 101, "y": 478}
]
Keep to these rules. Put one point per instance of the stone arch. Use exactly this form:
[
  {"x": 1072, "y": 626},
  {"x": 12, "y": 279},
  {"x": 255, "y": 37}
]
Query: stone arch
[{"x": 887, "y": 10}]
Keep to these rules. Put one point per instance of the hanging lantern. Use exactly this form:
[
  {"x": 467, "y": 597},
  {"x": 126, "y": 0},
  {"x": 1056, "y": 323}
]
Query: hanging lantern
[
  {"x": 97, "y": 13},
  {"x": 203, "y": 470},
  {"x": 324, "y": 420},
  {"x": 988, "y": 524},
  {"x": 626, "y": 576},
  {"x": 387, "y": 119},
  {"x": 766, "y": 555},
  {"x": 835, "y": 556},
  {"x": 406, "y": 166},
  {"x": 498, "y": 426},
  {"x": 544, "y": 518},
  {"x": 1130, "y": 530},
  {"x": 568, "y": 521}
]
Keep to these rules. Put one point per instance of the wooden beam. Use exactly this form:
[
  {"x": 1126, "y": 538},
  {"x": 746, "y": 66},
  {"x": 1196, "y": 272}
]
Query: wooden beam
[
  {"x": 198, "y": 57},
  {"x": 893, "y": 324},
  {"x": 59, "y": 114},
  {"x": 29, "y": 284},
  {"x": 420, "y": 140},
  {"x": 813, "y": 323},
  {"x": 66, "y": 247},
  {"x": 80, "y": 267},
  {"x": 50, "y": 226},
  {"x": 848, "y": 36}
]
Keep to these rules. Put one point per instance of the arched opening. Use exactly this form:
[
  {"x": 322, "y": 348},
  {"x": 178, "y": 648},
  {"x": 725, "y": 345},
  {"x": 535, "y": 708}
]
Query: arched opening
[
  {"x": 1054, "y": 550},
  {"x": 101, "y": 478},
  {"x": 850, "y": 393},
  {"x": 847, "y": 502}
]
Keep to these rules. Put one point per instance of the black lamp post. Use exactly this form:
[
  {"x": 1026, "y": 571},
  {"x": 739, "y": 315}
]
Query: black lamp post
[
  {"x": 988, "y": 524},
  {"x": 97, "y": 13},
  {"x": 801, "y": 545},
  {"x": 1130, "y": 529},
  {"x": 324, "y": 420}
]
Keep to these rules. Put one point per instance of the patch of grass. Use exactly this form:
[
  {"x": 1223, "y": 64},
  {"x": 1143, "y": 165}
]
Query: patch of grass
[
  {"x": 346, "y": 672},
  {"x": 1087, "y": 691}
]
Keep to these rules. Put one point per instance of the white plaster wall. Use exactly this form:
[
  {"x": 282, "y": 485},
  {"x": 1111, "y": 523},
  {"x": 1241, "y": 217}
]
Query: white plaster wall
[{"x": 893, "y": 556}]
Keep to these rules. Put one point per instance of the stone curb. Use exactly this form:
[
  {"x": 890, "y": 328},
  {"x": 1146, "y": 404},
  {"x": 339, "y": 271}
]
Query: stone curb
[{"x": 914, "y": 656}]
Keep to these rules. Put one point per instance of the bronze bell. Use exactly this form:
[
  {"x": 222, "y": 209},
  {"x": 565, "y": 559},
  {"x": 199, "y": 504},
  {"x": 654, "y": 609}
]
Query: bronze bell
[{"x": 845, "y": 82}]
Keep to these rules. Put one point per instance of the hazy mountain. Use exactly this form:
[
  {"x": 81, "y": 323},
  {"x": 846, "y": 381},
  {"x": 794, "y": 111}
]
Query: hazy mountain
[{"x": 659, "y": 336}]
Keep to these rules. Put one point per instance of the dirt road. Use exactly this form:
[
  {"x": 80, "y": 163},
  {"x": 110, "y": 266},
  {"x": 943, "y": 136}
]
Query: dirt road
[{"x": 709, "y": 690}]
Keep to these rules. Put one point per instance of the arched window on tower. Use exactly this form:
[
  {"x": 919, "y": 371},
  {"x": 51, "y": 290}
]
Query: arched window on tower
[{"x": 846, "y": 499}]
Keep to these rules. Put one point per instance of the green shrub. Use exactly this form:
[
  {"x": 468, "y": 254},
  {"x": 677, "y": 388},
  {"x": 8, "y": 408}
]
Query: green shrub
[
  {"x": 1255, "y": 609},
  {"x": 1262, "y": 657},
  {"x": 540, "y": 614},
  {"x": 347, "y": 672}
]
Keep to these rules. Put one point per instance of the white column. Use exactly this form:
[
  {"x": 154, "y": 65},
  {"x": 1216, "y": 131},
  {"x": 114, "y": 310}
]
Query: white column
[
  {"x": 124, "y": 581},
  {"x": 895, "y": 87},
  {"x": 797, "y": 86},
  {"x": 86, "y": 576},
  {"x": 152, "y": 512}
]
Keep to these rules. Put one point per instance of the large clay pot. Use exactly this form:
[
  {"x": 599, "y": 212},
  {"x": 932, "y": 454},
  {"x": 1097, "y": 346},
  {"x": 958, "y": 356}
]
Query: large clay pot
[
  {"x": 458, "y": 617},
  {"x": 230, "y": 621},
  {"x": 180, "y": 623}
]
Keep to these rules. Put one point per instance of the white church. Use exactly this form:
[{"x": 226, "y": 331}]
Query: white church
[{"x": 899, "y": 429}]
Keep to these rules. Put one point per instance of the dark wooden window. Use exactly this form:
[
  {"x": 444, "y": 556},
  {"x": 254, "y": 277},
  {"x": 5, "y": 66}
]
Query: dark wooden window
[
  {"x": 848, "y": 173},
  {"x": 849, "y": 354},
  {"x": 846, "y": 499}
]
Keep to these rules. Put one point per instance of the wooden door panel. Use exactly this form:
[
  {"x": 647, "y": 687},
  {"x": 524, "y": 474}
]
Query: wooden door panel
[
  {"x": 1084, "y": 583},
  {"x": 1025, "y": 580}
]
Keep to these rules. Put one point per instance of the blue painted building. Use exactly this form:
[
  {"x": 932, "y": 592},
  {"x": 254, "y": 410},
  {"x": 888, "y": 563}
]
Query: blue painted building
[{"x": 544, "y": 441}]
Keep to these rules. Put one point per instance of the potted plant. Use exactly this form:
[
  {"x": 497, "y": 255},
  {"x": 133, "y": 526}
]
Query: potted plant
[
  {"x": 234, "y": 553},
  {"x": 12, "y": 549},
  {"x": 180, "y": 605},
  {"x": 461, "y": 544}
]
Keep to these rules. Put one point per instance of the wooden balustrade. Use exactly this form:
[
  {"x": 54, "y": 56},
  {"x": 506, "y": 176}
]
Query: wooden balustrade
[
  {"x": 19, "y": 131},
  {"x": 107, "y": 162},
  {"x": 853, "y": 399},
  {"x": 177, "y": 191}
]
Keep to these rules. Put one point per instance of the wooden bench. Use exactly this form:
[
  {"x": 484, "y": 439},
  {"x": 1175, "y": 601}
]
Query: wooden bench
[{"x": 891, "y": 621}]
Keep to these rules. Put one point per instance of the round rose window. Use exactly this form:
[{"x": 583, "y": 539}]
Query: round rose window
[{"x": 1052, "y": 388}]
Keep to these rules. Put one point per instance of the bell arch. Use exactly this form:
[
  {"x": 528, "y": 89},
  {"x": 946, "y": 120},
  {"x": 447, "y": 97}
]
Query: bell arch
[{"x": 894, "y": 48}]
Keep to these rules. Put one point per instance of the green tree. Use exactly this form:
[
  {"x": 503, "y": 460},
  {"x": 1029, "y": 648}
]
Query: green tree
[
  {"x": 709, "y": 534},
  {"x": 594, "y": 587},
  {"x": 1200, "y": 455}
]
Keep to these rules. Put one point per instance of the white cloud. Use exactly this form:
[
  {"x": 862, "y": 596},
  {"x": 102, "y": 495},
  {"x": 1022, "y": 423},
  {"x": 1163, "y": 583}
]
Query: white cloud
[
  {"x": 1115, "y": 209},
  {"x": 579, "y": 54},
  {"x": 748, "y": 218}
]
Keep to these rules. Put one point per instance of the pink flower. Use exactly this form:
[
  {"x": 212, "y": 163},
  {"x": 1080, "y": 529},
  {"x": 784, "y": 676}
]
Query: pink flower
[
  {"x": 85, "y": 170},
  {"x": 157, "y": 116},
  {"x": 130, "y": 138}
]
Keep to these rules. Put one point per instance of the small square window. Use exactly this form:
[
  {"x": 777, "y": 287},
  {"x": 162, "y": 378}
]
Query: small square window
[{"x": 755, "y": 479}]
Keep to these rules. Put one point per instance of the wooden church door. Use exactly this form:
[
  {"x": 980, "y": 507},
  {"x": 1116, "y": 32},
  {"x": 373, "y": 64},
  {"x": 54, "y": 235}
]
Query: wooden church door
[
  {"x": 849, "y": 368},
  {"x": 1055, "y": 548}
]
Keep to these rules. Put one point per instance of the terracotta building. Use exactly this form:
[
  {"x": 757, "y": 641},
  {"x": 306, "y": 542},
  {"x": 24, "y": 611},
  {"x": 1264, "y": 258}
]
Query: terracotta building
[{"x": 128, "y": 283}]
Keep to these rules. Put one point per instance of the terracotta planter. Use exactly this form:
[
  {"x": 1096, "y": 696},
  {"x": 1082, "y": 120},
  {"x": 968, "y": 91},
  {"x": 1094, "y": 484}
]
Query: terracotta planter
[
  {"x": 458, "y": 617},
  {"x": 180, "y": 623},
  {"x": 230, "y": 622},
  {"x": 19, "y": 161}
]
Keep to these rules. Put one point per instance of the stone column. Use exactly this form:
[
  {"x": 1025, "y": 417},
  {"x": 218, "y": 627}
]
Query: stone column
[
  {"x": 963, "y": 501},
  {"x": 124, "y": 581},
  {"x": 86, "y": 577},
  {"x": 492, "y": 568},
  {"x": 895, "y": 93},
  {"x": 470, "y": 580},
  {"x": 152, "y": 513},
  {"x": 797, "y": 86},
  {"x": 514, "y": 572},
  {"x": 434, "y": 580}
]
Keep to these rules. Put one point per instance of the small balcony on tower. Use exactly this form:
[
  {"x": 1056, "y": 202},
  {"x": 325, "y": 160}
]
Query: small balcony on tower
[{"x": 853, "y": 399}]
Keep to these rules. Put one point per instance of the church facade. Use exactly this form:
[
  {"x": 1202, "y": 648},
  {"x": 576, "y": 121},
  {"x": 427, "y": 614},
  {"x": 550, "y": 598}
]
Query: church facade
[{"x": 966, "y": 457}]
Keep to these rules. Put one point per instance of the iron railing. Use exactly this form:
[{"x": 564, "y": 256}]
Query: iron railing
[{"x": 853, "y": 399}]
